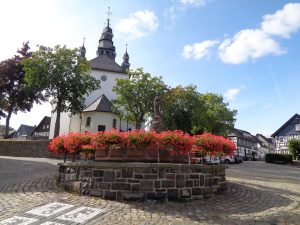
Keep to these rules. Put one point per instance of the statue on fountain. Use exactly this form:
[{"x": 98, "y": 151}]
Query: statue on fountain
[{"x": 156, "y": 123}]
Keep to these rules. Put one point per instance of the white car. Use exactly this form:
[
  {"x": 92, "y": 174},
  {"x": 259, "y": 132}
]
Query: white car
[
  {"x": 228, "y": 159},
  {"x": 212, "y": 160},
  {"x": 206, "y": 160}
]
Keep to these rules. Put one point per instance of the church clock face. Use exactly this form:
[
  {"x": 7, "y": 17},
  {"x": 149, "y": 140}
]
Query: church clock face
[{"x": 103, "y": 78}]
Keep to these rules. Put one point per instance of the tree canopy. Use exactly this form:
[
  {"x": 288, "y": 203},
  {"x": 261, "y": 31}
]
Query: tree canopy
[
  {"x": 135, "y": 96},
  {"x": 15, "y": 93},
  {"x": 179, "y": 107},
  {"x": 215, "y": 117},
  {"x": 188, "y": 110},
  {"x": 62, "y": 74}
]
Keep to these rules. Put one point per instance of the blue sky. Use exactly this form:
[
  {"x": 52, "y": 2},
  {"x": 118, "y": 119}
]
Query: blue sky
[{"x": 248, "y": 51}]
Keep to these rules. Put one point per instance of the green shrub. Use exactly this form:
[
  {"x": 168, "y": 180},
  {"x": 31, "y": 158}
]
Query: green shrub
[
  {"x": 273, "y": 158},
  {"x": 294, "y": 147}
]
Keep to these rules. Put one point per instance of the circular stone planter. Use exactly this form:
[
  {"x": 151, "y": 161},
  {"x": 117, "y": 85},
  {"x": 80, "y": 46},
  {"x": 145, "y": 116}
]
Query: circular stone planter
[{"x": 141, "y": 181}]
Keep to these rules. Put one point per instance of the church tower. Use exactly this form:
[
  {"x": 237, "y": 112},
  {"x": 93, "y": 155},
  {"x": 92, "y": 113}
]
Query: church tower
[
  {"x": 82, "y": 50},
  {"x": 106, "y": 45},
  {"x": 125, "y": 65},
  {"x": 98, "y": 114}
]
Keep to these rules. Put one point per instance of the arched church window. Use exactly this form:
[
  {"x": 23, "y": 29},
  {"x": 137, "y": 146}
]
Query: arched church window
[
  {"x": 114, "y": 123},
  {"x": 88, "y": 122}
]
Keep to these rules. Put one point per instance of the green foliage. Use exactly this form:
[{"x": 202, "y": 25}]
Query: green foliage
[
  {"x": 62, "y": 74},
  {"x": 135, "y": 96},
  {"x": 16, "y": 94},
  {"x": 186, "y": 109},
  {"x": 180, "y": 106},
  {"x": 275, "y": 158},
  {"x": 215, "y": 116},
  {"x": 294, "y": 147}
]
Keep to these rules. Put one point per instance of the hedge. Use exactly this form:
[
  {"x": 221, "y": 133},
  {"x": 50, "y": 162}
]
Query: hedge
[{"x": 273, "y": 158}]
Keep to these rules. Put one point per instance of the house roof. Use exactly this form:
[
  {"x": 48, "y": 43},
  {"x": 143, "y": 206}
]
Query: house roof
[
  {"x": 103, "y": 62},
  {"x": 28, "y": 129},
  {"x": 244, "y": 135},
  {"x": 101, "y": 104},
  {"x": 269, "y": 140},
  {"x": 285, "y": 124},
  {"x": 44, "y": 121}
]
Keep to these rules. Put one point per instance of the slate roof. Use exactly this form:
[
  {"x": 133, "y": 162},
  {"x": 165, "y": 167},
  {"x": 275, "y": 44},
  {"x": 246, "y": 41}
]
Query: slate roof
[
  {"x": 269, "y": 140},
  {"x": 244, "y": 135},
  {"x": 101, "y": 104},
  {"x": 45, "y": 121},
  {"x": 296, "y": 117},
  {"x": 25, "y": 130},
  {"x": 103, "y": 62}
]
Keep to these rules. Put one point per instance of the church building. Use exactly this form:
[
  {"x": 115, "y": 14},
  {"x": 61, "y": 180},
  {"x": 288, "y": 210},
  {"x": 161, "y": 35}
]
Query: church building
[{"x": 98, "y": 115}]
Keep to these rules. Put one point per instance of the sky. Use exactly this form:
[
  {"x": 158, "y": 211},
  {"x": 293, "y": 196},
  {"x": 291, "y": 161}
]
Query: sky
[{"x": 246, "y": 50}]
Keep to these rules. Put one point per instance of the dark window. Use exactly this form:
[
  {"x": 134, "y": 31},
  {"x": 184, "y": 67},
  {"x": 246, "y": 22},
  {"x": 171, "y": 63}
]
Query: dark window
[
  {"x": 101, "y": 128},
  {"x": 88, "y": 122},
  {"x": 114, "y": 123}
]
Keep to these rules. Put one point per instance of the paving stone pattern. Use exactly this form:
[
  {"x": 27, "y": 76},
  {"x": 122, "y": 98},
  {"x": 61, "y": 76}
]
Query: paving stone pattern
[{"x": 257, "y": 193}]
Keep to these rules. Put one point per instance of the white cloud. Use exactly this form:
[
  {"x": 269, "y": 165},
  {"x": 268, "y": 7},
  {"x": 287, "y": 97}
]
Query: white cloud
[
  {"x": 195, "y": 3},
  {"x": 248, "y": 44},
  {"x": 255, "y": 43},
  {"x": 198, "y": 50},
  {"x": 180, "y": 6},
  {"x": 138, "y": 24},
  {"x": 283, "y": 22},
  {"x": 232, "y": 93}
]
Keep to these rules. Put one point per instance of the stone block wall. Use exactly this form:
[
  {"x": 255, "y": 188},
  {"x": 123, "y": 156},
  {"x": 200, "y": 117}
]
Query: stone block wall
[
  {"x": 18, "y": 148},
  {"x": 142, "y": 181}
]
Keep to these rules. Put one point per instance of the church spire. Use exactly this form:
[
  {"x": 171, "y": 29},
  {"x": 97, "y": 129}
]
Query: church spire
[
  {"x": 106, "y": 45},
  {"x": 125, "y": 65},
  {"x": 82, "y": 49}
]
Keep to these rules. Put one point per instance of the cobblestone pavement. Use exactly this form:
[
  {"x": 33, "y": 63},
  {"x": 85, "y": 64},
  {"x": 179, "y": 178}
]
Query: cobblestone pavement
[{"x": 258, "y": 193}]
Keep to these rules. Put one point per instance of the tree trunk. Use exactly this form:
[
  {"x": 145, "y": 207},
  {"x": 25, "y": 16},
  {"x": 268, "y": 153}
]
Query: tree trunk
[
  {"x": 7, "y": 124},
  {"x": 138, "y": 125},
  {"x": 57, "y": 122}
]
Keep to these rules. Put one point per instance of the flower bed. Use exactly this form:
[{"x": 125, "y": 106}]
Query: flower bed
[{"x": 143, "y": 146}]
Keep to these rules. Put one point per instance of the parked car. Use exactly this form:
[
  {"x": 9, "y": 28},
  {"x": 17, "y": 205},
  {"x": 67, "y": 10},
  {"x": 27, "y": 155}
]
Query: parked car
[
  {"x": 212, "y": 160},
  {"x": 231, "y": 159}
]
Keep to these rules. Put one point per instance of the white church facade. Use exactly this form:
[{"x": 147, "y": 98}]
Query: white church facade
[{"x": 98, "y": 115}]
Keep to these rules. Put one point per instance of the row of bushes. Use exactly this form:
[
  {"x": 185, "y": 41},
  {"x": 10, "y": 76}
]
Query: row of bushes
[
  {"x": 276, "y": 158},
  {"x": 200, "y": 145}
]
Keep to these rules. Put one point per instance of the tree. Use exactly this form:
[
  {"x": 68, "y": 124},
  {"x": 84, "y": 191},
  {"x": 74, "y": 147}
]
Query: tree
[
  {"x": 214, "y": 116},
  {"x": 16, "y": 94},
  {"x": 294, "y": 147},
  {"x": 188, "y": 110},
  {"x": 62, "y": 74},
  {"x": 135, "y": 96},
  {"x": 2, "y": 128},
  {"x": 179, "y": 107}
]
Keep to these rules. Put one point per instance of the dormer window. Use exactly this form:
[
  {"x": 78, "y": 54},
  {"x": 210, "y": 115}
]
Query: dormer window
[
  {"x": 88, "y": 122},
  {"x": 297, "y": 127}
]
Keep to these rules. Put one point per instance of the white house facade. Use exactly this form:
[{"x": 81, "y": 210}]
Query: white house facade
[
  {"x": 98, "y": 115},
  {"x": 289, "y": 130}
]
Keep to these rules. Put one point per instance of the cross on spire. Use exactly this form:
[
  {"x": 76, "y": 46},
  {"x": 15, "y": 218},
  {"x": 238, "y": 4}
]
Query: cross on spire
[
  {"x": 126, "y": 46},
  {"x": 108, "y": 13},
  {"x": 83, "y": 40}
]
